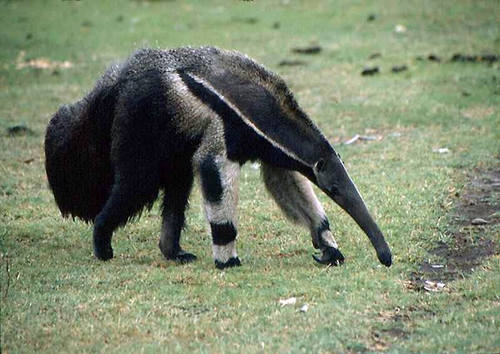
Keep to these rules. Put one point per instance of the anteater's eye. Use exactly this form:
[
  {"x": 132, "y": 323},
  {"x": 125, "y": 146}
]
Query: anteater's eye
[
  {"x": 334, "y": 190},
  {"x": 320, "y": 165}
]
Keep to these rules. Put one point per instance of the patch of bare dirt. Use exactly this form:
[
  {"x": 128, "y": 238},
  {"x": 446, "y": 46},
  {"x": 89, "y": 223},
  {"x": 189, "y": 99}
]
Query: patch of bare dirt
[
  {"x": 40, "y": 63},
  {"x": 477, "y": 112},
  {"x": 476, "y": 212}
]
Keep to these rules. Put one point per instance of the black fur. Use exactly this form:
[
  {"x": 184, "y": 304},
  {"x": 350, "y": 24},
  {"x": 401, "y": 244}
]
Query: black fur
[
  {"x": 222, "y": 234},
  {"x": 77, "y": 150},
  {"x": 324, "y": 226},
  {"x": 135, "y": 155},
  {"x": 266, "y": 112},
  {"x": 175, "y": 203},
  {"x": 210, "y": 180}
]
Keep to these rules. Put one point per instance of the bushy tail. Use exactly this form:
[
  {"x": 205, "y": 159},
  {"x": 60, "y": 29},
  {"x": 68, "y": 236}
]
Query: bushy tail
[{"x": 77, "y": 151}]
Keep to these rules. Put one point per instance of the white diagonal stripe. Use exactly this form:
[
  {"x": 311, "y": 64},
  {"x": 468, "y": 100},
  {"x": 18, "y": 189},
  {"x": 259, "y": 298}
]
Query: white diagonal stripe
[{"x": 247, "y": 120}]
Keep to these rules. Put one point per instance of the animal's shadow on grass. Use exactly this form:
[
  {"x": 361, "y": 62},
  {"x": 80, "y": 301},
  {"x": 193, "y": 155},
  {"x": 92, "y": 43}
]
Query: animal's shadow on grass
[{"x": 140, "y": 260}]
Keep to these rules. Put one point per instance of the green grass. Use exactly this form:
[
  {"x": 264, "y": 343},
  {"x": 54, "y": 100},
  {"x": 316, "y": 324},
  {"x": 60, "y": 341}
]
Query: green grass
[{"x": 57, "y": 298}]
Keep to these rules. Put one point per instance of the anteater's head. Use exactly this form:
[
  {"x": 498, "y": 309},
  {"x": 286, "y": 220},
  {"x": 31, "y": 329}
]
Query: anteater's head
[{"x": 333, "y": 179}]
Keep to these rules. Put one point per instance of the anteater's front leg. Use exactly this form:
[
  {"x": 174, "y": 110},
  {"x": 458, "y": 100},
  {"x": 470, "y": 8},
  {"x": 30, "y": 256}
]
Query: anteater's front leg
[
  {"x": 295, "y": 196},
  {"x": 219, "y": 181}
]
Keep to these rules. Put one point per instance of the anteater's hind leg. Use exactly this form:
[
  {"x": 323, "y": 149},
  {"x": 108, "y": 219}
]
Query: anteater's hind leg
[
  {"x": 134, "y": 157},
  {"x": 175, "y": 203},
  {"x": 133, "y": 190},
  {"x": 295, "y": 196}
]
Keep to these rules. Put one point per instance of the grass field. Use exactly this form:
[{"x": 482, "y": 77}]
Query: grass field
[{"x": 57, "y": 298}]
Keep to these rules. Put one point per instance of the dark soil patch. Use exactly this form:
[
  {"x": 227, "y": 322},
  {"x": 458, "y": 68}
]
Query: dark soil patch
[
  {"x": 19, "y": 130},
  {"x": 370, "y": 71},
  {"x": 395, "y": 333},
  {"x": 399, "y": 68},
  {"x": 485, "y": 58},
  {"x": 287, "y": 62},
  {"x": 476, "y": 212},
  {"x": 310, "y": 50}
]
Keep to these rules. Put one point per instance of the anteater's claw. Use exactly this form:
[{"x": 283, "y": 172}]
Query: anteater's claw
[{"x": 331, "y": 256}]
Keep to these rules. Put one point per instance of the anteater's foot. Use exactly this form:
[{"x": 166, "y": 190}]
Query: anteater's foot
[
  {"x": 184, "y": 257},
  {"x": 330, "y": 256},
  {"x": 175, "y": 253},
  {"x": 385, "y": 257},
  {"x": 232, "y": 262},
  {"x": 103, "y": 252},
  {"x": 180, "y": 256}
]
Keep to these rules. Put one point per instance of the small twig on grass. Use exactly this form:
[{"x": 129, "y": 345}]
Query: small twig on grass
[
  {"x": 361, "y": 137},
  {"x": 352, "y": 140}
]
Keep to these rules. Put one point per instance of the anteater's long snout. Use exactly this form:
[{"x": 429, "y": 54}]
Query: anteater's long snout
[
  {"x": 345, "y": 193},
  {"x": 356, "y": 208}
]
